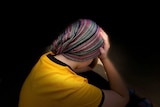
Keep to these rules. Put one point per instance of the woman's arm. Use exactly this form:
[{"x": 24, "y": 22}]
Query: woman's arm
[{"x": 118, "y": 96}]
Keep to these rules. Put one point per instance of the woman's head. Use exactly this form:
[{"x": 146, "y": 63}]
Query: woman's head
[{"x": 80, "y": 41}]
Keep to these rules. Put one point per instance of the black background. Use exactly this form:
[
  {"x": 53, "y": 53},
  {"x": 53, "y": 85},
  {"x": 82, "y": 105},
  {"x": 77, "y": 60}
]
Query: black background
[{"x": 27, "y": 28}]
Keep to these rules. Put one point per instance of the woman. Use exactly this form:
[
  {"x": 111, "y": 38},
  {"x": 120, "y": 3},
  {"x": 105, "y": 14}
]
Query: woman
[{"x": 57, "y": 78}]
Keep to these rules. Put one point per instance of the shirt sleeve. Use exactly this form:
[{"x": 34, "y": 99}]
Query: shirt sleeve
[
  {"x": 102, "y": 100},
  {"x": 87, "y": 95}
]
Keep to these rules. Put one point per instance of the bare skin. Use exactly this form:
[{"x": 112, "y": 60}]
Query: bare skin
[
  {"x": 118, "y": 96},
  {"x": 81, "y": 66}
]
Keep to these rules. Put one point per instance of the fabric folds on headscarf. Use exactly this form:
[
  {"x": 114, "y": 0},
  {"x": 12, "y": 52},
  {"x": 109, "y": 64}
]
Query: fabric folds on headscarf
[{"x": 80, "y": 41}]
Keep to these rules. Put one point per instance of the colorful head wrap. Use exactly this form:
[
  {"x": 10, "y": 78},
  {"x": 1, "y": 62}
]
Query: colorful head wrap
[{"x": 80, "y": 41}]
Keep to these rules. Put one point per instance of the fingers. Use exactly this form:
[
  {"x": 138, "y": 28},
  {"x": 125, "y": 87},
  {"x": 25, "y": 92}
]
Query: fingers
[
  {"x": 103, "y": 34},
  {"x": 105, "y": 38},
  {"x": 104, "y": 49}
]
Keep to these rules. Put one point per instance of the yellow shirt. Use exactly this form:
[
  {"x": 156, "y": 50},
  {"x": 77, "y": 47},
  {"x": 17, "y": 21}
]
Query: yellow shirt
[{"x": 52, "y": 83}]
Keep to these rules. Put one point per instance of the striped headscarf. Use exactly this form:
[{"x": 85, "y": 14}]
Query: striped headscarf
[{"x": 80, "y": 41}]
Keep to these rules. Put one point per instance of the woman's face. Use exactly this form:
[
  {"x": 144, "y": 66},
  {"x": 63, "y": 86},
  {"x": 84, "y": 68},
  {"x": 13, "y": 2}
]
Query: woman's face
[
  {"x": 90, "y": 63},
  {"x": 93, "y": 63},
  {"x": 85, "y": 63}
]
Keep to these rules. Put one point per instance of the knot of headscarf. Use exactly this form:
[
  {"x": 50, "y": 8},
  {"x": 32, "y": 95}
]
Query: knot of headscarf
[{"x": 80, "y": 41}]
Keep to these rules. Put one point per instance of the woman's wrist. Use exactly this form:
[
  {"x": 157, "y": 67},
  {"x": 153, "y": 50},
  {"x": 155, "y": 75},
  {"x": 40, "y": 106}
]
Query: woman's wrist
[{"x": 104, "y": 58}]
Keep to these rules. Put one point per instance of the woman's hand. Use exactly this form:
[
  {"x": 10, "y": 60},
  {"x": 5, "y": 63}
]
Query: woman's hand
[{"x": 105, "y": 48}]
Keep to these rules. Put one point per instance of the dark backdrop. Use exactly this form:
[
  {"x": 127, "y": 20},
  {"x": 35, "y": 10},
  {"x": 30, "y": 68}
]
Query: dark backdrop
[{"x": 28, "y": 29}]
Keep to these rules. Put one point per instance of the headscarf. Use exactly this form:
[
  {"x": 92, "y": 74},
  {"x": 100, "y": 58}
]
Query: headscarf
[{"x": 80, "y": 41}]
